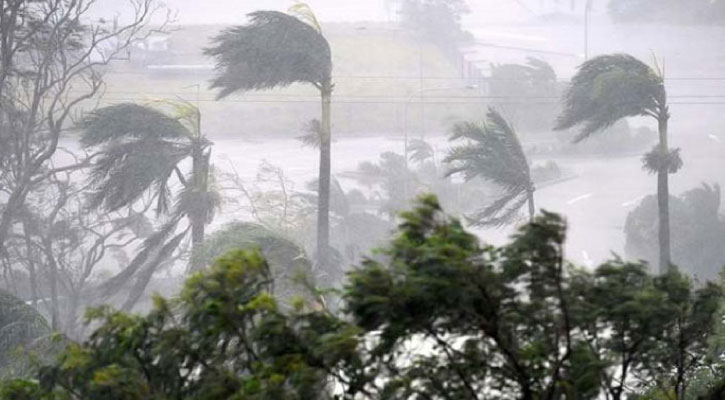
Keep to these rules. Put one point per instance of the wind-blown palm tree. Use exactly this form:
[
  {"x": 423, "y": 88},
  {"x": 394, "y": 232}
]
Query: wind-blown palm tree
[
  {"x": 276, "y": 50},
  {"x": 611, "y": 87},
  {"x": 493, "y": 152},
  {"x": 141, "y": 148}
]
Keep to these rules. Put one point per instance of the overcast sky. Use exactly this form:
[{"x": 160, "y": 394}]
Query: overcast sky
[{"x": 233, "y": 11}]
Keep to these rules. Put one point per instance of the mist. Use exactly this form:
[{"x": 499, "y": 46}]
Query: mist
[{"x": 168, "y": 148}]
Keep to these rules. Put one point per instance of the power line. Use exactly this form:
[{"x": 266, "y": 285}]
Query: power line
[
  {"x": 407, "y": 98},
  {"x": 385, "y": 102},
  {"x": 424, "y": 77}
]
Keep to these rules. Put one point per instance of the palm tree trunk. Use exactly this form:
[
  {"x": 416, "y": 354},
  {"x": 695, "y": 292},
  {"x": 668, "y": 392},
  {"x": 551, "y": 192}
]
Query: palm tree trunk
[
  {"x": 323, "y": 206},
  {"x": 197, "y": 219},
  {"x": 532, "y": 206},
  {"x": 663, "y": 197}
]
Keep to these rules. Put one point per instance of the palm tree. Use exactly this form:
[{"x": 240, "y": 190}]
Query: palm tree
[
  {"x": 276, "y": 50},
  {"x": 493, "y": 152},
  {"x": 611, "y": 87},
  {"x": 141, "y": 149}
]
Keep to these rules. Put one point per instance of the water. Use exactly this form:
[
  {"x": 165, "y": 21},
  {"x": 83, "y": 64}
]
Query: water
[{"x": 595, "y": 201}]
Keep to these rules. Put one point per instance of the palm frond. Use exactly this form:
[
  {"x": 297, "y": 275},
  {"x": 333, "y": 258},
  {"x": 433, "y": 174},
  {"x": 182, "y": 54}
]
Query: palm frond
[
  {"x": 163, "y": 195},
  {"x": 149, "y": 246},
  {"x": 419, "y": 150},
  {"x": 654, "y": 161},
  {"x": 501, "y": 212},
  {"x": 273, "y": 50},
  {"x": 313, "y": 135},
  {"x": 144, "y": 276},
  {"x": 492, "y": 151},
  {"x": 201, "y": 204},
  {"x": 185, "y": 112},
  {"x": 128, "y": 120},
  {"x": 608, "y": 88},
  {"x": 339, "y": 203},
  {"x": 304, "y": 12},
  {"x": 125, "y": 171},
  {"x": 139, "y": 148}
]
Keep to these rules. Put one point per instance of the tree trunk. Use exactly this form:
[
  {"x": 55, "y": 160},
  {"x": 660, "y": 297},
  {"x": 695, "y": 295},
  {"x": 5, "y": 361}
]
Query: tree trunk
[
  {"x": 663, "y": 197},
  {"x": 54, "y": 308},
  {"x": 31, "y": 263},
  {"x": 198, "y": 216},
  {"x": 532, "y": 206},
  {"x": 323, "y": 192}
]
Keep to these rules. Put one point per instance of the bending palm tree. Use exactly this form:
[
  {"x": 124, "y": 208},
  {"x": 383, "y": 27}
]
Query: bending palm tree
[
  {"x": 276, "y": 50},
  {"x": 611, "y": 87},
  {"x": 493, "y": 152},
  {"x": 140, "y": 150}
]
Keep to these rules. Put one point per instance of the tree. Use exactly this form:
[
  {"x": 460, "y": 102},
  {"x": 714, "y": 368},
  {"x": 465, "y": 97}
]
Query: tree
[
  {"x": 52, "y": 62},
  {"x": 289, "y": 266},
  {"x": 697, "y": 12},
  {"x": 437, "y": 20},
  {"x": 140, "y": 149},
  {"x": 276, "y": 50},
  {"x": 222, "y": 337},
  {"x": 611, "y": 87},
  {"x": 434, "y": 315},
  {"x": 392, "y": 182},
  {"x": 493, "y": 152},
  {"x": 459, "y": 297},
  {"x": 697, "y": 236},
  {"x": 521, "y": 90},
  {"x": 61, "y": 246}
]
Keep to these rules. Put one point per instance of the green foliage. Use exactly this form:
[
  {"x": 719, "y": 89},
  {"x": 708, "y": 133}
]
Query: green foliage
[
  {"x": 608, "y": 88},
  {"x": 19, "y": 389},
  {"x": 288, "y": 262},
  {"x": 435, "y": 315},
  {"x": 698, "y": 231},
  {"x": 223, "y": 337},
  {"x": 274, "y": 50},
  {"x": 493, "y": 152}
]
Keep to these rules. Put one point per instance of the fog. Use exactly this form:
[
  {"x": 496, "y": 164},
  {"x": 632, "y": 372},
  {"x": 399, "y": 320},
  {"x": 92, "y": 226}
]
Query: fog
[{"x": 402, "y": 82}]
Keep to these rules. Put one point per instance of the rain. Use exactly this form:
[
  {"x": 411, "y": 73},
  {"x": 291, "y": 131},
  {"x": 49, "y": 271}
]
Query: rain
[{"x": 345, "y": 199}]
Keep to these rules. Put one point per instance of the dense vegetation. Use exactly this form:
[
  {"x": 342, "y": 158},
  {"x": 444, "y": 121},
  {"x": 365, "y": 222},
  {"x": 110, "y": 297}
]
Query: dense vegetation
[
  {"x": 435, "y": 315},
  {"x": 271, "y": 310}
]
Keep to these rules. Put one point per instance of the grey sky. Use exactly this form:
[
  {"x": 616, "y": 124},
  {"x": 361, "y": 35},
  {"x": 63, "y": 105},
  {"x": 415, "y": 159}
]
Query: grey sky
[{"x": 233, "y": 11}]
